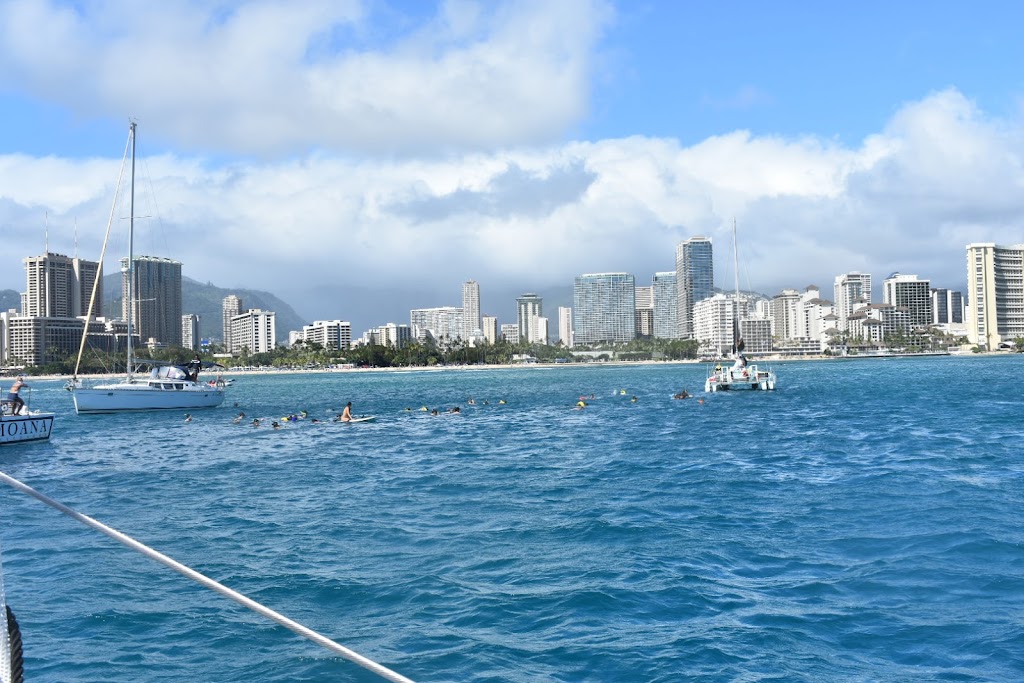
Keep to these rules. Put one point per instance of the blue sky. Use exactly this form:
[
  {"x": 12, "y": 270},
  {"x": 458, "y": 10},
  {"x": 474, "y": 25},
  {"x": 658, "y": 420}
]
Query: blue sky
[{"x": 363, "y": 158}]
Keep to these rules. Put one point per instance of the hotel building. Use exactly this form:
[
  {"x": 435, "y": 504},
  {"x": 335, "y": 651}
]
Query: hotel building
[
  {"x": 255, "y": 331},
  {"x": 911, "y": 293},
  {"x": 157, "y": 297},
  {"x": 852, "y": 290},
  {"x": 470, "y": 310},
  {"x": 604, "y": 308},
  {"x": 666, "y": 300},
  {"x": 995, "y": 287},
  {"x": 695, "y": 280}
]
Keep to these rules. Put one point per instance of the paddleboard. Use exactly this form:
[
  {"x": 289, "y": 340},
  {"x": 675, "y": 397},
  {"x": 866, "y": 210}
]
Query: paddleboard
[{"x": 368, "y": 418}]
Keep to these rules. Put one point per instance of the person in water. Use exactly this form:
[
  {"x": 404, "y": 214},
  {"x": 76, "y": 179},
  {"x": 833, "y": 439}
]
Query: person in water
[
  {"x": 682, "y": 394},
  {"x": 16, "y": 403},
  {"x": 346, "y": 414}
]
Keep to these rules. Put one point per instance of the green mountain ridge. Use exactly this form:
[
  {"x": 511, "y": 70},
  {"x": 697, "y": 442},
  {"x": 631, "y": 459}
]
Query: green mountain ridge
[{"x": 205, "y": 300}]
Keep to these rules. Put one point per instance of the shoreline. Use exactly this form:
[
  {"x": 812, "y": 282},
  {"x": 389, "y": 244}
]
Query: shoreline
[{"x": 233, "y": 373}]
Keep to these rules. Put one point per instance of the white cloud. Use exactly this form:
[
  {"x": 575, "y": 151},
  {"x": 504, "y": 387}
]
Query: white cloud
[
  {"x": 270, "y": 77},
  {"x": 331, "y": 234}
]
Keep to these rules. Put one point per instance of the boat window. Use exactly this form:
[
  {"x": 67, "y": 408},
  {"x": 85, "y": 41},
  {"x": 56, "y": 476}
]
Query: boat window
[{"x": 168, "y": 386}]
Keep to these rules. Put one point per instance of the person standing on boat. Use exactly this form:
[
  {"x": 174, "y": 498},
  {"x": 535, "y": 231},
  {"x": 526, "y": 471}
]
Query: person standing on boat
[
  {"x": 193, "y": 367},
  {"x": 16, "y": 403}
]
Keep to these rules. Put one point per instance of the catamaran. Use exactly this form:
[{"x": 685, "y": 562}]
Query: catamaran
[
  {"x": 740, "y": 375},
  {"x": 148, "y": 384}
]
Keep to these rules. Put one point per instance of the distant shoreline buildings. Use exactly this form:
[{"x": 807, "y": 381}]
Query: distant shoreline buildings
[{"x": 608, "y": 308}]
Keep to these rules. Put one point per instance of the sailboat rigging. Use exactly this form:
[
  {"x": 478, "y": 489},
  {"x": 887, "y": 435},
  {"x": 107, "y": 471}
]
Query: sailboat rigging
[
  {"x": 166, "y": 386},
  {"x": 740, "y": 375}
]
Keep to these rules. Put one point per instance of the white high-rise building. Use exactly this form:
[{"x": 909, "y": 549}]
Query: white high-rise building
[
  {"x": 565, "y": 326},
  {"x": 644, "y": 311},
  {"x": 995, "y": 288},
  {"x": 785, "y": 314},
  {"x": 813, "y": 313},
  {"x": 471, "y": 326},
  {"x": 190, "y": 331},
  {"x": 666, "y": 299},
  {"x": 852, "y": 290},
  {"x": 542, "y": 330},
  {"x": 58, "y": 286},
  {"x": 911, "y": 293},
  {"x": 529, "y": 307},
  {"x": 333, "y": 335},
  {"x": 510, "y": 332},
  {"x": 444, "y": 323},
  {"x": 604, "y": 308},
  {"x": 230, "y": 307},
  {"x": 695, "y": 280},
  {"x": 490, "y": 328},
  {"x": 255, "y": 330}
]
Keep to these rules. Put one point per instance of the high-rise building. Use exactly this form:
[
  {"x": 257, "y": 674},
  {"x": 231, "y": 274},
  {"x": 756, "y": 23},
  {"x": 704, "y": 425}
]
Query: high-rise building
[
  {"x": 644, "y": 311},
  {"x": 510, "y": 332},
  {"x": 947, "y": 307},
  {"x": 695, "y": 280},
  {"x": 565, "y": 326},
  {"x": 470, "y": 310},
  {"x": 815, "y": 314},
  {"x": 909, "y": 292},
  {"x": 666, "y": 299},
  {"x": 604, "y": 308},
  {"x": 995, "y": 287},
  {"x": 542, "y": 330},
  {"x": 230, "y": 307},
  {"x": 333, "y": 335},
  {"x": 58, "y": 286},
  {"x": 490, "y": 329},
  {"x": 254, "y": 331},
  {"x": 157, "y": 298},
  {"x": 190, "y": 331},
  {"x": 785, "y": 314},
  {"x": 852, "y": 291},
  {"x": 529, "y": 307},
  {"x": 443, "y": 323}
]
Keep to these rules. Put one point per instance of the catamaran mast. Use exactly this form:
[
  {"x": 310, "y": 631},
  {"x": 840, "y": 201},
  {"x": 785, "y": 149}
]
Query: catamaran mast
[
  {"x": 131, "y": 258},
  {"x": 737, "y": 338}
]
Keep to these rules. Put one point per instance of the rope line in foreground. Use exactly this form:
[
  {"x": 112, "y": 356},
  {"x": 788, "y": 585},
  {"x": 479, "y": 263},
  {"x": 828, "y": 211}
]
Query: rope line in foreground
[{"x": 203, "y": 580}]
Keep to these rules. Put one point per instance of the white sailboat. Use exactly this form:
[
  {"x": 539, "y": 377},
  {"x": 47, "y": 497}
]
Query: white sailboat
[
  {"x": 148, "y": 385},
  {"x": 740, "y": 375}
]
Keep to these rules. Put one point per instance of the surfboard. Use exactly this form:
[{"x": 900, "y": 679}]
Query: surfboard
[{"x": 367, "y": 418}]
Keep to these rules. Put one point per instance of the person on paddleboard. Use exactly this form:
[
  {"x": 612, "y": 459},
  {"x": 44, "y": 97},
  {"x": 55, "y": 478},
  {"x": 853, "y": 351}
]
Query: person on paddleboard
[{"x": 346, "y": 414}]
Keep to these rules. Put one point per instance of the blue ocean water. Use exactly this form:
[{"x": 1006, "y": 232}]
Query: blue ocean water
[{"x": 861, "y": 523}]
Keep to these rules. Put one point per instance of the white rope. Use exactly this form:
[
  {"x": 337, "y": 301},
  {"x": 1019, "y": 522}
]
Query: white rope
[{"x": 298, "y": 628}]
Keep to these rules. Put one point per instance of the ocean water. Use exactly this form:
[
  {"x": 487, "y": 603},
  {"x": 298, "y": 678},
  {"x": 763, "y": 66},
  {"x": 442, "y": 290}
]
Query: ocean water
[{"x": 861, "y": 523}]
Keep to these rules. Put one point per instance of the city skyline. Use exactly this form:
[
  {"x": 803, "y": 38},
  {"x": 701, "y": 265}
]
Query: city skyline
[{"x": 593, "y": 137}]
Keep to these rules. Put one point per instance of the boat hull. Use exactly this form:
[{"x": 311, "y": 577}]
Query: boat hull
[
  {"x": 25, "y": 428},
  {"x": 750, "y": 379},
  {"x": 128, "y": 398}
]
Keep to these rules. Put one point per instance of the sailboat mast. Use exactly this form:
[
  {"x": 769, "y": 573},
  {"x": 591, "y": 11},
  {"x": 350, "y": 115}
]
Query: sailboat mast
[
  {"x": 737, "y": 339},
  {"x": 131, "y": 258}
]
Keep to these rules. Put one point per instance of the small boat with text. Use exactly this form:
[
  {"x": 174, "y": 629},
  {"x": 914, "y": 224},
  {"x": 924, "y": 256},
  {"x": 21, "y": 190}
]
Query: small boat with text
[
  {"x": 740, "y": 375},
  {"x": 24, "y": 426},
  {"x": 148, "y": 384}
]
